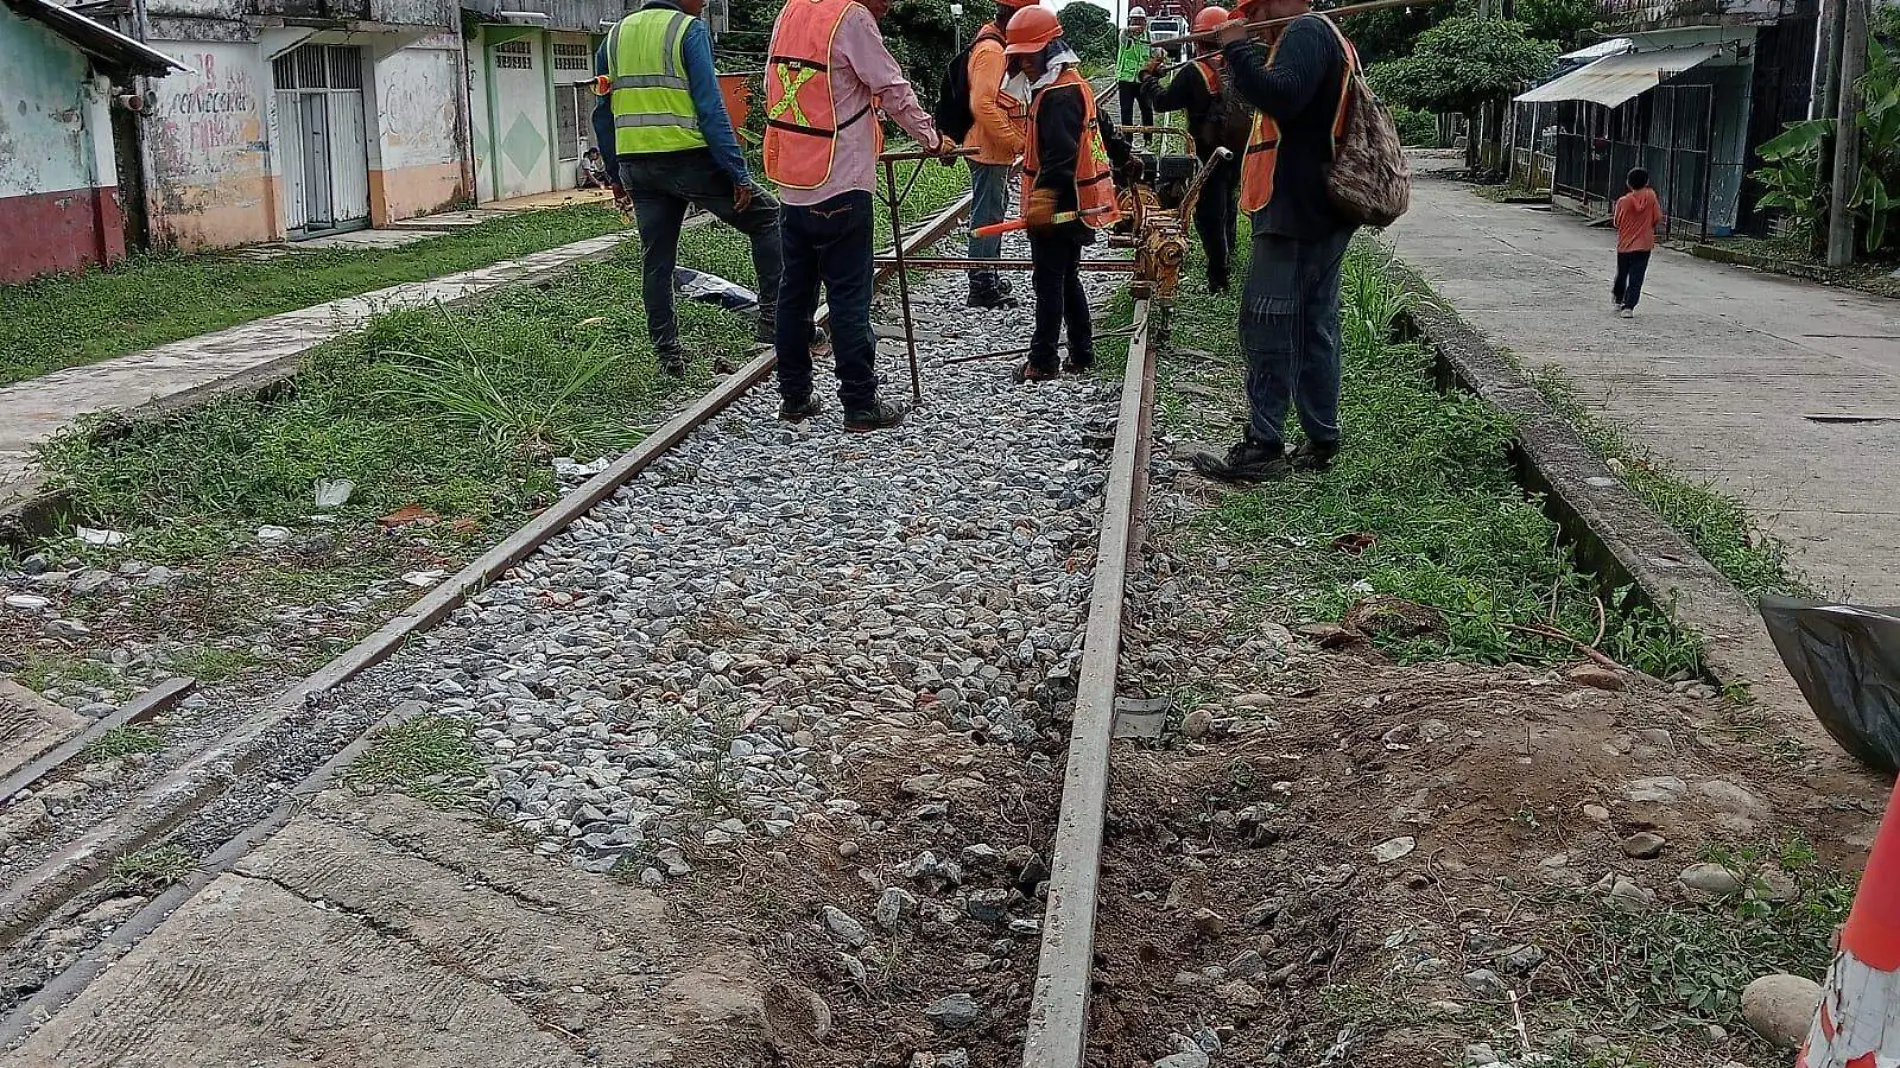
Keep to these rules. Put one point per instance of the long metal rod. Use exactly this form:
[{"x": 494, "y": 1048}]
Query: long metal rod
[
  {"x": 1337, "y": 12},
  {"x": 903, "y": 280},
  {"x": 955, "y": 263},
  {"x": 1059, "y": 1006}
]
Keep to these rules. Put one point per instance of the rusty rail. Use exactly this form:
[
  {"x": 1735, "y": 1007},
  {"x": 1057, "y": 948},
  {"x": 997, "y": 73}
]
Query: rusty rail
[
  {"x": 161, "y": 808},
  {"x": 1059, "y": 1006}
]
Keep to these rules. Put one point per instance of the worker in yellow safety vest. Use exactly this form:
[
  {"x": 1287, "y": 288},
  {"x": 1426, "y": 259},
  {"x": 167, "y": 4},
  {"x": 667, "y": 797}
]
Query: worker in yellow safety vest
[
  {"x": 675, "y": 147},
  {"x": 1068, "y": 184},
  {"x": 825, "y": 72}
]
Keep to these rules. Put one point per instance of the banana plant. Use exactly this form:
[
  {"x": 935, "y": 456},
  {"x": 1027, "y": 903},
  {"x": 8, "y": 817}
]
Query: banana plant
[{"x": 1793, "y": 179}]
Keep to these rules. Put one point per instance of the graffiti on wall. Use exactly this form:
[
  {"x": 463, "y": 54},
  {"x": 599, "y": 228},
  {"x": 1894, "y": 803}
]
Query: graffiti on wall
[{"x": 217, "y": 110}]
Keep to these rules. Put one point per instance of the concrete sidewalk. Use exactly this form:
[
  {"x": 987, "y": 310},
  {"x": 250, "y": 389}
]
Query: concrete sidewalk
[
  {"x": 35, "y": 410},
  {"x": 1722, "y": 371}
]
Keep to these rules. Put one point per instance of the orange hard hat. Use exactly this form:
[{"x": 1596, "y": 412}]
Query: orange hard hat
[
  {"x": 1210, "y": 18},
  {"x": 1031, "y": 30}
]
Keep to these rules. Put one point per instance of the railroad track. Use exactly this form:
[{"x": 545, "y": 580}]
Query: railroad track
[
  {"x": 1058, "y": 1012},
  {"x": 72, "y": 874}
]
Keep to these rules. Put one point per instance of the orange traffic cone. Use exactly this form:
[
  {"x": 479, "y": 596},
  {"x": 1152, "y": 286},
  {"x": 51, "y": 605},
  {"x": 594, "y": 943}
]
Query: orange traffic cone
[{"x": 1858, "y": 1025}]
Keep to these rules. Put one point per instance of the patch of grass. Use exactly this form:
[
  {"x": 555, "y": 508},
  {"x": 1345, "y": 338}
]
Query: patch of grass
[
  {"x": 1653, "y": 967},
  {"x": 455, "y": 411},
  {"x": 430, "y": 758},
  {"x": 153, "y": 868},
  {"x": 1427, "y": 475},
  {"x": 123, "y": 741},
  {"x": 208, "y": 663},
  {"x": 1716, "y": 523},
  {"x": 44, "y": 671},
  {"x": 72, "y": 320}
]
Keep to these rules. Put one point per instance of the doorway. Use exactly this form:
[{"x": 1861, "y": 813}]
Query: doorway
[{"x": 323, "y": 135}]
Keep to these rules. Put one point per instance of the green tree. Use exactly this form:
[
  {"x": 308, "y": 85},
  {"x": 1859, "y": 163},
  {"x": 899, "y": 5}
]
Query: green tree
[
  {"x": 1563, "y": 21},
  {"x": 1463, "y": 63},
  {"x": 1089, "y": 31}
]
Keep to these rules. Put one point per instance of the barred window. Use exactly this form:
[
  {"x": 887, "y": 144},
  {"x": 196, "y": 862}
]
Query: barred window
[
  {"x": 514, "y": 55},
  {"x": 571, "y": 57}
]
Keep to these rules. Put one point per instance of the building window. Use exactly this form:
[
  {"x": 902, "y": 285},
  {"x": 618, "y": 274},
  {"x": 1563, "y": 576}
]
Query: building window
[
  {"x": 572, "y": 57},
  {"x": 319, "y": 67},
  {"x": 515, "y": 55}
]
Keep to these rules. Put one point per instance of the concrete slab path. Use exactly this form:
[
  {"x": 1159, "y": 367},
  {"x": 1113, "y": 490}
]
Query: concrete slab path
[
  {"x": 35, "y": 410},
  {"x": 1721, "y": 372},
  {"x": 376, "y": 932}
]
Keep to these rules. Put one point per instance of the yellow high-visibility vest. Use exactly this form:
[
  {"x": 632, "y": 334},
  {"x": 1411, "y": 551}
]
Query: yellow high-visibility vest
[{"x": 651, "y": 100}]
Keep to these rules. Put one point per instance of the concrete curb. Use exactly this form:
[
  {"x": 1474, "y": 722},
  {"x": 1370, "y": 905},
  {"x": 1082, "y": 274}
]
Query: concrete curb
[{"x": 1616, "y": 532}]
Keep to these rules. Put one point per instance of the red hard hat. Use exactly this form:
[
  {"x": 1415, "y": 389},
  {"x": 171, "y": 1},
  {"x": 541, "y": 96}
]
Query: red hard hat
[
  {"x": 1210, "y": 18},
  {"x": 1015, "y": 5},
  {"x": 1031, "y": 29}
]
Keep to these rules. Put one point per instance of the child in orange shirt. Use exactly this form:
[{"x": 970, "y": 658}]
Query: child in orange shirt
[{"x": 1636, "y": 214}]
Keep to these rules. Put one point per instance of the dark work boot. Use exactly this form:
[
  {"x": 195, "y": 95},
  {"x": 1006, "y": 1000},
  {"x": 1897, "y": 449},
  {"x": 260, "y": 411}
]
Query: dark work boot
[
  {"x": 878, "y": 416},
  {"x": 989, "y": 291},
  {"x": 1314, "y": 455},
  {"x": 1029, "y": 372},
  {"x": 798, "y": 411},
  {"x": 673, "y": 363},
  {"x": 1078, "y": 364},
  {"x": 1248, "y": 461}
]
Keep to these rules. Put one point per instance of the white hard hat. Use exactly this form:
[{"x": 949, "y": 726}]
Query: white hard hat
[{"x": 1137, "y": 13}]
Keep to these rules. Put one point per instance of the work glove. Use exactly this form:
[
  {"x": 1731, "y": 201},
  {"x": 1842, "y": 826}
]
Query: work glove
[
  {"x": 946, "y": 150},
  {"x": 741, "y": 196},
  {"x": 1039, "y": 211}
]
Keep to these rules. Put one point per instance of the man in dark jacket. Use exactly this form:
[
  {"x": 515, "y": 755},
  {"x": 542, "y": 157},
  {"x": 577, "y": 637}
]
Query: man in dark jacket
[
  {"x": 1216, "y": 119},
  {"x": 1069, "y": 155},
  {"x": 1289, "y": 317}
]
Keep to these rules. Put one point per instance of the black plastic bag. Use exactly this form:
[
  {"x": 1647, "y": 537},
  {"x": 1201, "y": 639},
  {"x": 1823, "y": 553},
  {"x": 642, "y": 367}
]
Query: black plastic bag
[{"x": 1846, "y": 659}]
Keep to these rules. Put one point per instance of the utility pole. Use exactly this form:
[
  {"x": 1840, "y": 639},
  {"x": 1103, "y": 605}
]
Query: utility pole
[
  {"x": 1840, "y": 220},
  {"x": 1827, "y": 58}
]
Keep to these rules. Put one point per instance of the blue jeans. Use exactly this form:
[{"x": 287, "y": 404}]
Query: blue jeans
[
  {"x": 663, "y": 185},
  {"x": 1289, "y": 331},
  {"x": 828, "y": 243},
  {"x": 1631, "y": 268},
  {"x": 989, "y": 200}
]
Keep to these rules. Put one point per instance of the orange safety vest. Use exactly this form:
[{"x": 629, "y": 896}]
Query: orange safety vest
[
  {"x": 1012, "y": 108},
  {"x": 801, "y": 118},
  {"x": 1209, "y": 74},
  {"x": 1095, "y": 199},
  {"x": 1263, "y": 145}
]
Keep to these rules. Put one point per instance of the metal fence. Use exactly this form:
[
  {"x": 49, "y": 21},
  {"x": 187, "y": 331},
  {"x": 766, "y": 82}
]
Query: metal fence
[{"x": 1666, "y": 131}]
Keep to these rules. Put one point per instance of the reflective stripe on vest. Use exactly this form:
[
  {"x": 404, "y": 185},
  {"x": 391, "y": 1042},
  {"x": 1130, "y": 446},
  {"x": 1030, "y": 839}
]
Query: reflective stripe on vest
[
  {"x": 651, "y": 98},
  {"x": 1263, "y": 144},
  {"x": 1095, "y": 199},
  {"x": 801, "y": 117}
]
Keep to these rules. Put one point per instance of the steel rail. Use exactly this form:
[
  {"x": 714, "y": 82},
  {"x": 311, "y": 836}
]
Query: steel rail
[
  {"x": 79, "y": 866},
  {"x": 1059, "y": 1005},
  {"x": 158, "y": 699}
]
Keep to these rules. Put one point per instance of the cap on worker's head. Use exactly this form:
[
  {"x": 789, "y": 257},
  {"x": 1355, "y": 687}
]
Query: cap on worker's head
[
  {"x": 1016, "y": 5},
  {"x": 1210, "y": 18},
  {"x": 1031, "y": 30},
  {"x": 1135, "y": 13}
]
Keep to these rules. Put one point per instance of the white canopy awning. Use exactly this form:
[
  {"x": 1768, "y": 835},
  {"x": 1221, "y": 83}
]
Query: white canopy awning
[
  {"x": 1615, "y": 79},
  {"x": 1615, "y": 46}
]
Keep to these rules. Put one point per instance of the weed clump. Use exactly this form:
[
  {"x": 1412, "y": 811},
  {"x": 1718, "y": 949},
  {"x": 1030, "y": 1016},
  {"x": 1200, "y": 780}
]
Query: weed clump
[{"x": 1423, "y": 505}]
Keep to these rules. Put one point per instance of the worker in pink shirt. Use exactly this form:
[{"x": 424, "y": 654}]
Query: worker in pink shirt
[{"x": 826, "y": 71}]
